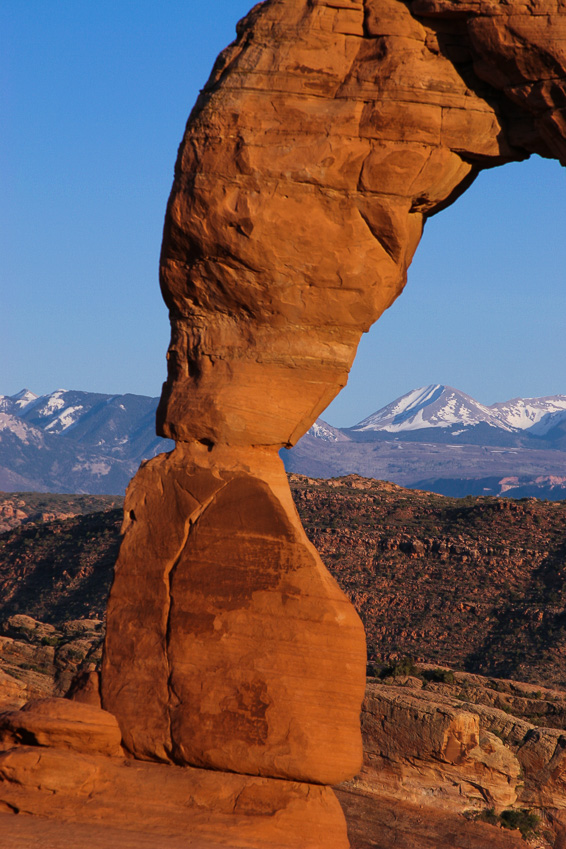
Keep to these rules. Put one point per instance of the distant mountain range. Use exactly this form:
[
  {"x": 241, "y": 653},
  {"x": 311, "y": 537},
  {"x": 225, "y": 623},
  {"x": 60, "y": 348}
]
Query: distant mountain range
[
  {"x": 434, "y": 438},
  {"x": 71, "y": 441},
  {"x": 440, "y": 439},
  {"x": 458, "y": 414}
]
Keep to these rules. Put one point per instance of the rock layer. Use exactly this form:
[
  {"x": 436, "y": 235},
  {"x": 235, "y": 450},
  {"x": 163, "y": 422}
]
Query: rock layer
[{"x": 442, "y": 764}]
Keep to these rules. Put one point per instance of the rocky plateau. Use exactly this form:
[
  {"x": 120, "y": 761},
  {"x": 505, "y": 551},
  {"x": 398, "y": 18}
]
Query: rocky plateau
[{"x": 442, "y": 746}]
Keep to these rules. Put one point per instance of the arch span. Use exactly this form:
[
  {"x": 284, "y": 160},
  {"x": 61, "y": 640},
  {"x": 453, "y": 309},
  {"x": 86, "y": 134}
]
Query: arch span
[{"x": 326, "y": 135}]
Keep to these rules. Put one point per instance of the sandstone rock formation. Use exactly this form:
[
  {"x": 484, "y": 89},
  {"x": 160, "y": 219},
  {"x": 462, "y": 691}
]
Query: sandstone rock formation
[
  {"x": 437, "y": 756},
  {"x": 225, "y": 625},
  {"x": 61, "y": 762},
  {"x": 326, "y": 135}
]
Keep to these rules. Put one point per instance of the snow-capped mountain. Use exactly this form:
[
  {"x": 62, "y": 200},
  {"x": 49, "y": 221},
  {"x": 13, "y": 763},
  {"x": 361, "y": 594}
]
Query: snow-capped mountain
[
  {"x": 15, "y": 403},
  {"x": 322, "y": 430},
  {"x": 430, "y": 406},
  {"x": 438, "y": 406},
  {"x": 70, "y": 441},
  {"x": 441, "y": 439},
  {"x": 538, "y": 415},
  {"x": 433, "y": 438}
]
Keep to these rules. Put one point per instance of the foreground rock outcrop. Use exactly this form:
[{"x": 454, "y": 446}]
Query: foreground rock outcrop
[
  {"x": 445, "y": 767},
  {"x": 325, "y": 136},
  {"x": 62, "y": 762}
]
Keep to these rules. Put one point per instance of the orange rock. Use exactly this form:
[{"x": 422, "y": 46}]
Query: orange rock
[
  {"x": 111, "y": 803},
  {"x": 421, "y": 749},
  {"x": 251, "y": 659},
  {"x": 85, "y": 688},
  {"x": 384, "y": 822},
  {"x": 325, "y": 136},
  {"x": 61, "y": 723}
]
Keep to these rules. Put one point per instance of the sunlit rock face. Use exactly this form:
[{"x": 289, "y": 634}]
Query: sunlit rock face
[
  {"x": 229, "y": 645},
  {"x": 325, "y": 136}
]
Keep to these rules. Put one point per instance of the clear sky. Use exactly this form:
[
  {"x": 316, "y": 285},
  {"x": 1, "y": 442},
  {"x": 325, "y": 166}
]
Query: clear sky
[{"x": 96, "y": 96}]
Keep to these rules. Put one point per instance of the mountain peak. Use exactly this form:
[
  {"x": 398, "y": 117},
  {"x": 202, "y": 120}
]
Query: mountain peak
[
  {"x": 436, "y": 405},
  {"x": 442, "y": 406},
  {"x": 22, "y": 398}
]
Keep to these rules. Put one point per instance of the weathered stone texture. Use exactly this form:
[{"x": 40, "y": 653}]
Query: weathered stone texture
[
  {"x": 69, "y": 773},
  {"x": 225, "y": 625},
  {"x": 324, "y": 137}
]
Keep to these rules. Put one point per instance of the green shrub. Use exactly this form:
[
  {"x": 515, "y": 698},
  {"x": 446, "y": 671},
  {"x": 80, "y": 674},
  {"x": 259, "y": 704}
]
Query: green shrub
[
  {"x": 440, "y": 676},
  {"x": 488, "y": 816},
  {"x": 51, "y": 641},
  {"x": 402, "y": 668},
  {"x": 522, "y": 820}
]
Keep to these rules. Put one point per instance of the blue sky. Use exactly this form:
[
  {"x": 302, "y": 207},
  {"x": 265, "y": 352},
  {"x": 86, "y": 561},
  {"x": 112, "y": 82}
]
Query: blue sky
[{"x": 96, "y": 99}]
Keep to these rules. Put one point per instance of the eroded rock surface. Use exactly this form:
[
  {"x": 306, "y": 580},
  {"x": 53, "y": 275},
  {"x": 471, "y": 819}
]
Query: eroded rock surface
[
  {"x": 250, "y": 656},
  {"x": 443, "y": 765},
  {"x": 40, "y": 660},
  {"x": 61, "y": 762},
  {"x": 325, "y": 136}
]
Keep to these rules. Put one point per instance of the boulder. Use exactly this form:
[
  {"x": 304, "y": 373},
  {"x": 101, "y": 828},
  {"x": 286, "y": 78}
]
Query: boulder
[
  {"x": 62, "y": 724},
  {"x": 228, "y": 644}
]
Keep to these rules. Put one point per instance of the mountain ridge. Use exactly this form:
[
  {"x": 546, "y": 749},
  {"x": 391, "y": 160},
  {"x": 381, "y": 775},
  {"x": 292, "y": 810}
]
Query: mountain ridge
[
  {"x": 442, "y": 406},
  {"x": 434, "y": 438},
  {"x": 75, "y": 441},
  {"x": 440, "y": 439}
]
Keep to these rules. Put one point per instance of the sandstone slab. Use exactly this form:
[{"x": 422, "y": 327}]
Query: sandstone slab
[
  {"x": 62, "y": 724},
  {"x": 426, "y": 751},
  {"x": 59, "y": 798}
]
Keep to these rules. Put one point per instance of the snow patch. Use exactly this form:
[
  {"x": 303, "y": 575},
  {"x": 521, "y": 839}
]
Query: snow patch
[
  {"x": 96, "y": 468},
  {"x": 64, "y": 420},
  {"x": 321, "y": 430},
  {"x": 52, "y": 403},
  {"x": 12, "y": 424}
]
